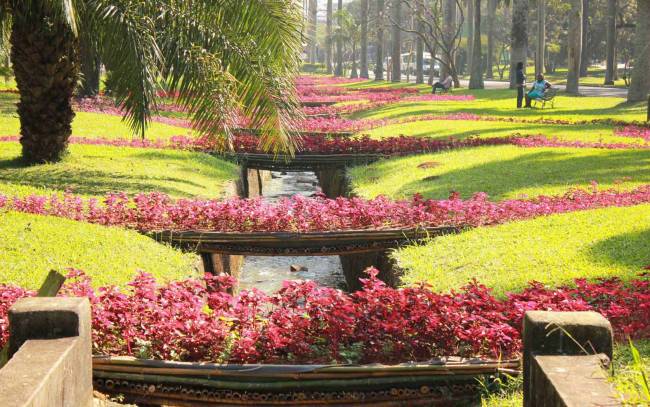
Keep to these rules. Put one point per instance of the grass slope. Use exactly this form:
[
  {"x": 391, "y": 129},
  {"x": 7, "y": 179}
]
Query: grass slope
[
  {"x": 96, "y": 170},
  {"x": 553, "y": 250},
  {"x": 502, "y": 103},
  {"x": 501, "y": 171},
  {"x": 31, "y": 245},
  {"x": 442, "y": 129}
]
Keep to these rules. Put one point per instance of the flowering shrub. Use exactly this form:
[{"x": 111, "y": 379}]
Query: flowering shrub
[
  {"x": 305, "y": 323},
  {"x": 157, "y": 211}
]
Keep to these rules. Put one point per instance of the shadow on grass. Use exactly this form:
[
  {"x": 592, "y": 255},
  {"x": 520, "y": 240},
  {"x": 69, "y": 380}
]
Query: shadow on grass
[
  {"x": 537, "y": 169},
  {"x": 629, "y": 250}
]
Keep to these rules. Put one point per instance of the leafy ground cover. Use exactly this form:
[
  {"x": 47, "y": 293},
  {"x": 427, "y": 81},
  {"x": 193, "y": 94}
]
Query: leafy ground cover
[
  {"x": 552, "y": 249},
  {"x": 182, "y": 320},
  {"x": 31, "y": 245},
  {"x": 503, "y": 172},
  {"x": 91, "y": 170}
]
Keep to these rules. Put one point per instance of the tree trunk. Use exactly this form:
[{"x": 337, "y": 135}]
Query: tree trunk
[
  {"x": 449, "y": 29},
  {"x": 396, "y": 42},
  {"x": 518, "y": 38},
  {"x": 339, "y": 44},
  {"x": 90, "y": 66},
  {"x": 574, "y": 47},
  {"x": 491, "y": 17},
  {"x": 586, "y": 27},
  {"x": 541, "y": 37},
  {"x": 45, "y": 65},
  {"x": 354, "y": 73},
  {"x": 364, "y": 39},
  {"x": 640, "y": 84},
  {"x": 328, "y": 40},
  {"x": 610, "y": 71},
  {"x": 379, "y": 44},
  {"x": 313, "y": 21},
  {"x": 419, "y": 49},
  {"x": 432, "y": 67},
  {"x": 476, "y": 78},
  {"x": 469, "y": 20}
]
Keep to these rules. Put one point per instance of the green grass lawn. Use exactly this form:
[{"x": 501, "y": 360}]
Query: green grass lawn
[
  {"x": 553, "y": 250},
  {"x": 90, "y": 125},
  {"x": 484, "y": 129},
  {"x": 503, "y": 172},
  {"x": 502, "y": 103},
  {"x": 31, "y": 245},
  {"x": 95, "y": 170}
]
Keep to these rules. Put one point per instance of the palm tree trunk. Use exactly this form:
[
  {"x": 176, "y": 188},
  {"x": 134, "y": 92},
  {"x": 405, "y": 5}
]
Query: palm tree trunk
[
  {"x": 476, "y": 77},
  {"x": 45, "y": 66},
  {"x": 491, "y": 16},
  {"x": 354, "y": 73},
  {"x": 419, "y": 48},
  {"x": 339, "y": 45},
  {"x": 585, "y": 58},
  {"x": 574, "y": 47},
  {"x": 364, "y": 39},
  {"x": 518, "y": 38},
  {"x": 449, "y": 29},
  {"x": 610, "y": 71},
  {"x": 396, "y": 42},
  {"x": 469, "y": 20},
  {"x": 328, "y": 40},
  {"x": 541, "y": 37},
  {"x": 313, "y": 21},
  {"x": 379, "y": 44},
  {"x": 640, "y": 85}
]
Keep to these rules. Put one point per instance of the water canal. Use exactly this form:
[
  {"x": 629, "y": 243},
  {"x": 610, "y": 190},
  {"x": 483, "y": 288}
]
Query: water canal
[{"x": 267, "y": 273}]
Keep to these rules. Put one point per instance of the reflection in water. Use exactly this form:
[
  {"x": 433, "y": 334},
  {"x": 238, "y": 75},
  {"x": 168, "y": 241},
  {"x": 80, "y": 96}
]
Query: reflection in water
[{"x": 266, "y": 273}]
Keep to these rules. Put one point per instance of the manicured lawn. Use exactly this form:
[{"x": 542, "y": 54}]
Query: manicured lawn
[
  {"x": 31, "y": 245},
  {"x": 85, "y": 124},
  {"x": 502, "y": 172},
  {"x": 484, "y": 129},
  {"x": 95, "y": 170},
  {"x": 553, "y": 250},
  {"x": 502, "y": 103}
]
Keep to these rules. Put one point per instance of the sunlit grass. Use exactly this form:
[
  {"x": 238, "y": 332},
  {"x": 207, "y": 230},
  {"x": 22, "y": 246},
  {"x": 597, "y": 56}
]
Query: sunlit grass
[
  {"x": 502, "y": 172},
  {"x": 31, "y": 245},
  {"x": 553, "y": 250},
  {"x": 96, "y": 170}
]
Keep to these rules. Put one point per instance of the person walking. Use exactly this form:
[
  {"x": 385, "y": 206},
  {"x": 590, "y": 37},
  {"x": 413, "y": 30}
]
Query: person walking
[{"x": 521, "y": 83}]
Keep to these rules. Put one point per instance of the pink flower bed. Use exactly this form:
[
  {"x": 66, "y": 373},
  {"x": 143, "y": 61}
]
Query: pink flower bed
[
  {"x": 157, "y": 211},
  {"x": 305, "y": 323},
  {"x": 634, "y": 132}
]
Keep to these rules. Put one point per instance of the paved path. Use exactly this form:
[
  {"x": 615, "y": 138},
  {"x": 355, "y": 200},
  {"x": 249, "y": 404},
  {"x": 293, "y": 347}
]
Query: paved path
[{"x": 584, "y": 90}]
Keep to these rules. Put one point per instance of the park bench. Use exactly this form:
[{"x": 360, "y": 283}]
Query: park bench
[{"x": 547, "y": 97}]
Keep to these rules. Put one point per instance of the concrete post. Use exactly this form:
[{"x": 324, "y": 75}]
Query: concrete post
[
  {"x": 562, "y": 333},
  {"x": 50, "y": 352}
]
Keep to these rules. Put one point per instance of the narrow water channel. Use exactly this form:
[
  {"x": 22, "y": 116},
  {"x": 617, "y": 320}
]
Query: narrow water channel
[{"x": 267, "y": 273}]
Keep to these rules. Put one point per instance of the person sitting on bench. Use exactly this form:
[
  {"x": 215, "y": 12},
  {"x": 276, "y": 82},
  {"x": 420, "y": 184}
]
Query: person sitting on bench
[
  {"x": 540, "y": 86},
  {"x": 444, "y": 85}
]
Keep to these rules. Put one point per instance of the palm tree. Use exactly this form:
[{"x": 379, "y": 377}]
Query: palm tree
[
  {"x": 491, "y": 17},
  {"x": 396, "y": 42},
  {"x": 640, "y": 84},
  {"x": 219, "y": 56},
  {"x": 364, "y": 39},
  {"x": 339, "y": 43},
  {"x": 518, "y": 37},
  {"x": 574, "y": 47},
  {"x": 328, "y": 39},
  {"x": 610, "y": 71},
  {"x": 379, "y": 42},
  {"x": 541, "y": 37},
  {"x": 349, "y": 33},
  {"x": 470, "y": 33},
  {"x": 476, "y": 67}
]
